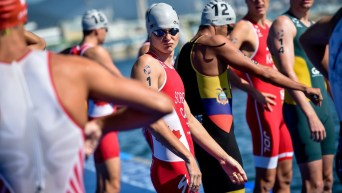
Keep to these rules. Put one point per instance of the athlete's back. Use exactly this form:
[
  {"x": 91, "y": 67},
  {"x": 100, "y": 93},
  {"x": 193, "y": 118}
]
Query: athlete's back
[
  {"x": 43, "y": 106},
  {"x": 37, "y": 154}
]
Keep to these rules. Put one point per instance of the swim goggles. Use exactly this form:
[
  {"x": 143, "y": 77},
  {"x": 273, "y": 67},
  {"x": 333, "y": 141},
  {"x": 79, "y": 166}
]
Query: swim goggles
[{"x": 162, "y": 32}]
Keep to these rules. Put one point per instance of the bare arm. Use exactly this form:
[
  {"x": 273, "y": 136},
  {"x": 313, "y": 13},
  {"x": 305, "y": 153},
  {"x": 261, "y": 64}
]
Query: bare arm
[
  {"x": 33, "y": 41},
  {"x": 102, "y": 85},
  {"x": 149, "y": 72},
  {"x": 101, "y": 55},
  {"x": 265, "y": 99},
  {"x": 244, "y": 38},
  {"x": 232, "y": 56},
  {"x": 83, "y": 78},
  {"x": 280, "y": 43},
  {"x": 124, "y": 117},
  {"x": 232, "y": 168}
]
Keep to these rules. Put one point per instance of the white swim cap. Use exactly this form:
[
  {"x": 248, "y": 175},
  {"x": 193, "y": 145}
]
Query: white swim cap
[
  {"x": 146, "y": 14},
  {"x": 217, "y": 13},
  {"x": 94, "y": 19},
  {"x": 161, "y": 16}
]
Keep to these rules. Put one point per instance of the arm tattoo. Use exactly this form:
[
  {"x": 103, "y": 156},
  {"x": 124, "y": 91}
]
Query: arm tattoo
[
  {"x": 147, "y": 72},
  {"x": 148, "y": 79},
  {"x": 280, "y": 36}
]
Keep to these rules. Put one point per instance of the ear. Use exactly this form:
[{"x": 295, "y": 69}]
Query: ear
[{"x": 96, "y": 32}]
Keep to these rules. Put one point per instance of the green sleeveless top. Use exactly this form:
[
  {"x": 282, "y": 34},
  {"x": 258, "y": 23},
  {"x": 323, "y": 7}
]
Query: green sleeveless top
[{"x": 306, "y": 72}]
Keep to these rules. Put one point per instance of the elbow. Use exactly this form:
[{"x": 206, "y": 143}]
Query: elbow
[{"x": 41, "y": 44}]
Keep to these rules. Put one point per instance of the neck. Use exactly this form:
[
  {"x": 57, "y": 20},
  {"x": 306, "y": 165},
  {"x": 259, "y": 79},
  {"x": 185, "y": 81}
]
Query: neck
[
  {"x": 167, "y": 58},
  {"x": 301, "y": 13},
  {"x": 209, "y": 31},
  {"x": 90, "y": 40},
  {"x": 12, "y": 44},
  {"x": 257, "y": 18}
]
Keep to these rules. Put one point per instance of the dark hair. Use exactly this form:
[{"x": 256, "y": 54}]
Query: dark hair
[{"x": 87, "y": 32}]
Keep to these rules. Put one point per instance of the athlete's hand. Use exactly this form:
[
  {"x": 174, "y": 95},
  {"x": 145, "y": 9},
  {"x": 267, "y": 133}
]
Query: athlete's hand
[
  {"x": 234, "y": 170},
  {"x": 315, "y": 95},
  {"x": 92, "y": 131},
  {"x": 316, "y": 128},
  {"x": 195, "y": 174},
  {"x": 266, "y": 100}
]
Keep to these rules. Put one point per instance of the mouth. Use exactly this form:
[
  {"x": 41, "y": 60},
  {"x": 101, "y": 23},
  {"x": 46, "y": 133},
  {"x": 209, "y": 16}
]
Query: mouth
[
  {"x": 260, "y": 8},
  {"x": 168, "y": 44}
]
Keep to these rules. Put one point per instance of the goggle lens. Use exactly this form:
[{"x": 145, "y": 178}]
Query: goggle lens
[{"x": 161, "y": 32}]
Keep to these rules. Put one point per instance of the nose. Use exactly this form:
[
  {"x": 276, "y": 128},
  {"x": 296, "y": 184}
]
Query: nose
[{"x": 167, "y": 36}]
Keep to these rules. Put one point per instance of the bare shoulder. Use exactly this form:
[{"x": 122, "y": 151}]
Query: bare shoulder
[
  {"x": 243, "y": 32},
  {"x": 282, "y": 25},
  {"x": 96, "y": 51},
  {"x": 70, "y": 62},
  {"x": 64, "y": 58},
  {"x": 145, "y": 60},
  {"x": 283, "y": 22},
  {"x": 213, "y": 41},
  {"x": 146, "y": 65},
  {"x": 242, "y": 25}
]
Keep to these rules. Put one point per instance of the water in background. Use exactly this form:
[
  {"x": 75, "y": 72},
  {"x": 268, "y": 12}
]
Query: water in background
[{"x": 134, "y": 143}]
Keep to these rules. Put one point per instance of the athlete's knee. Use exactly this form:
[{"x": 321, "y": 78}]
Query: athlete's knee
[
  {"x": 284, "y": 172},
  {"x": 328, "y": 182},
  {"x": 315, "y": 186},
  {"x": 285, "y": 177},
  {"x": 113, "y": 186},
  {"x": 268, "y": 185},
  {"x": 283, "y": 183},
  {"x": 265, "y": 184}
]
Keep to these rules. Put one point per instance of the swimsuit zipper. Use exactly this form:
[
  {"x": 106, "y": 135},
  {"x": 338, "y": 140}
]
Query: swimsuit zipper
[{"x": 32, "y": 124}]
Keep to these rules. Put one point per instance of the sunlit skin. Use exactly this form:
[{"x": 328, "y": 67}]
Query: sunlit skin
[
  {"x": 278, "y": 178},
  {"x": 317, "y": 175}
]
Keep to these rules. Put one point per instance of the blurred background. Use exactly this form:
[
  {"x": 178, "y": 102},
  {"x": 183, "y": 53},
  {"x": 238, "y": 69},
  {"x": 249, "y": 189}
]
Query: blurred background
[{"x": 59, "y": 21}]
